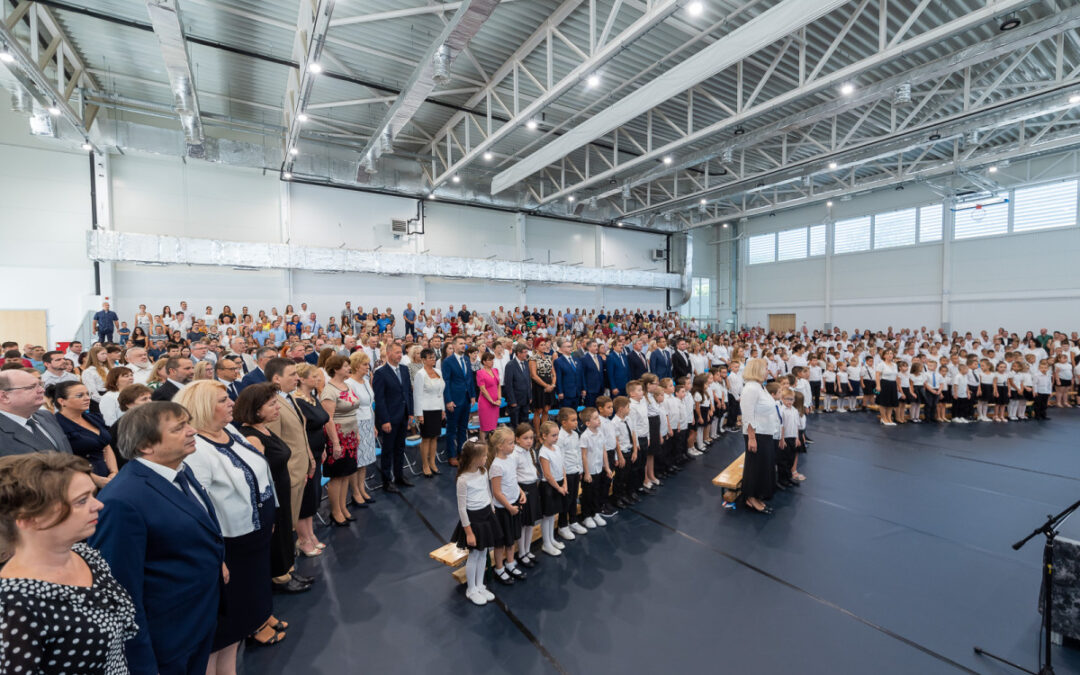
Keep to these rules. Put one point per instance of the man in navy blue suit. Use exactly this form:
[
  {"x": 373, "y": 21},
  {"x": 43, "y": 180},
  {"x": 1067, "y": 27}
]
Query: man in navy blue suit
[
  {"x": 592, "y": 374},
  {"x": 618, "y": 370},
  {"x": 660, "y": 360},
  {"x": 459, "y": 394},
  {"x": 393, "y": 412},
  {"x": 160, "y": 535},
  {"x": 636, "y": 360},
  {"x": 256, "y": 375},
  {"x": 568, "y": 379},
  {"x": 517, "y": 386}
]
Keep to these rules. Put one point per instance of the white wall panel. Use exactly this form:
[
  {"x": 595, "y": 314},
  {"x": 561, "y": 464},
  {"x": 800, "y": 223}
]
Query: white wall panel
[
  {"x": 888, "y": 273},
  {"x": 453, "y": 230},
  {"x": 44, "y": 216},
  {"x": 1035, "y": 261},
  {"x": 321, "y": 216},
  {"x": 550, "y": 240},
  {"x": 796, "y": 281}
]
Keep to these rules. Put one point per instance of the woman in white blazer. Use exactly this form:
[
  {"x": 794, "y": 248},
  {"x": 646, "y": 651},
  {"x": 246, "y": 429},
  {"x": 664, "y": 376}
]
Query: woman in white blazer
[
  {"x": 429, "y": 407},
  {"x": 238, "y": 480}
]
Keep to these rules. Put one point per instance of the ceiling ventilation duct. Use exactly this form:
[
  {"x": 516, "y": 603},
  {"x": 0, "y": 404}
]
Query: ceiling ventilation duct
[
  {"x": 902, "y": 94},
  {"x": 440, "y": 66},
  {"x": 169, "y": 29},
  {"x": 21, "y": 101}
]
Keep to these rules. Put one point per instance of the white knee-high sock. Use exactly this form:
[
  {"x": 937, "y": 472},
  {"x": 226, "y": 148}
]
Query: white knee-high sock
[
  {"x": 715, "y": 422},
  {"x": 474, "y": 569},
  {"x": 547, "y": 530},
  {"x": 525, "y": 541}
]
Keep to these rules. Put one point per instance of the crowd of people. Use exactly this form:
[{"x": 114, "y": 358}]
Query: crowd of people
[{"x": 208, "y": 440}]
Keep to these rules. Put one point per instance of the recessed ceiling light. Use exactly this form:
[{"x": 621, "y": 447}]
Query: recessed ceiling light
[
  {"x": 488, "y": 156},
  {"x": 833, "y": 165},
  {"x": 695, "y": 8},
  {"x": 992, "y": 169},
  {"x": 315, "y": 68},
  {"x": 1012, "y": 21},
  {"x": 828, "y": 203},
  {"x": 570, "y": 198},
  {"x": 54, "y": 111},
  {"x": 287, "y": 175},
  {"x": 935, "y": 136},
  {"x": 725, "y": 225},
  {"x": 620, "y": 223},
  {"x": 739, "y": 131},
  {"x": 847, "y": 89},
  {"x": 593, "y": 80},
  {"x": 704, "y": 201},
  {"x": 456, "y": 178},
  {"x": 667, "y": 159},
  {"x": 302, "y": 117},
  {"x": 294, "y": 151},
  {"x": 531, "y": 125}
]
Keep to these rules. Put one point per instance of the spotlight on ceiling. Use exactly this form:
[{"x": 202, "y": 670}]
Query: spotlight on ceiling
[
  {"x": 695, "y": 8},
  {"x": 6, "y": 56},
  {"x": 935, "y": 136},
  {"x": 833, "y": 165},
  {"x": 704, "y": 201},
  {"x": 287, "y": 175},
  {"x": 829, "y": 203},
  {"x": 593, "y": 81},
  {"x": 739, "y": 131},
  {"x": 315, "y": 68},
  {"x": 531, "y": 125},
  {"x": 54, "y": 111},
  {"x": 847, "y": 89},
  {"x": 570, "y": 199},
  {"x": 456, "y": 178},
  {"x": 294, "y": 151},
  {"x": 1074, "y": 99},
  {"x": 87, "y": 147},
  {"x": 725, "y": 225},
  {"x": 667, "y": 159},
  {"x": 993, "y": 169},
  {"x": 488, "y": 156},
  {"x": 1010, "y": 22},
  {"x": 302, "y": 117}
]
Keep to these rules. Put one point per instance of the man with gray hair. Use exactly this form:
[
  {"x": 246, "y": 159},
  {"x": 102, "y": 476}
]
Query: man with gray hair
[
  {"x": 140, "y": 364},
  {"x": 159, "y": 526},
  {"x": 238, "y": 346}
]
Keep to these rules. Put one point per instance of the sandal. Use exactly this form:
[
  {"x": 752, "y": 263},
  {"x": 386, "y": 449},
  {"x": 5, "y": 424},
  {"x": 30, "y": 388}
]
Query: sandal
[
  {"x": 265, "y": 639},
  {"x": 277, "y": 624}
]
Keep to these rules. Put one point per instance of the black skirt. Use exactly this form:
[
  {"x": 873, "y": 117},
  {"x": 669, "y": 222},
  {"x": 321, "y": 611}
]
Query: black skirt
[
  {"x": 759, "y": 469},
  {"x": 431, "y": 426},
  {"x": 830, "y": 388},
  {"x": 248, "y": 601},
  {"x": 309, "y": 503},
  {"x": 552, "y": 502},
  {"x": 509, "y": 526},
  {"x": 868, "y": 387},
  {"x": 654, "y": 437},
  {"x": 532, "y": 509},
  {"x": 485, "y": 528},
  {"x": 542, "y": 398},
  {"x": 1002, "y": 397},
  {"x": 887, "y": 396},
  {"x": 855, "y": 387},
  {"x": 986, "y": 392}
]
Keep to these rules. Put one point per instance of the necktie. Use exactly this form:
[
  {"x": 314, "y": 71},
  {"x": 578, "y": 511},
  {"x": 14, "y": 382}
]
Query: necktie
[
  {"x": 232, "y": 390},
  {"x": 933, "y": 380},
  {"x": 397, "y": 373},
  {"x": 45, "y": 441},
  {"x": 596, "y": 361},
  {"x": 185, "y": 487},
  {"x": 461, "y": 362}
]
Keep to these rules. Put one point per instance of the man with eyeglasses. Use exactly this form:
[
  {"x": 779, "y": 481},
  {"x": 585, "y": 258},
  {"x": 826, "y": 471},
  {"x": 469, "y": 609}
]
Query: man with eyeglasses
[
  {"x": 24, "y": 426},
  {"x": 228, "y": 372}
]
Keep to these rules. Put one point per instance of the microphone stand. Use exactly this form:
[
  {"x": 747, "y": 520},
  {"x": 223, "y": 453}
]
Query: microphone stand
[{"x": 1049, "y": 530}]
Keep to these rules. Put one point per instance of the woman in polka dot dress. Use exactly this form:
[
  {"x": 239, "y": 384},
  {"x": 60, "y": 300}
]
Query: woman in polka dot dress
[{"x": 61, "y": 610}]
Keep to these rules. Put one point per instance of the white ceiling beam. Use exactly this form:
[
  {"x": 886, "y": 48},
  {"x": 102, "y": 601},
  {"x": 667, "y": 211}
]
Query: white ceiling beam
[
  {"x": 659, "y": 11},
  {"x": 169, "y": 29},
  {"x": 400, "y": 13},
  {"x": 760, "y": 32},
  {"x": 456, "y": 34},
  {"x": 823, "y": 83},
  {"x": 313, "y": 20}
]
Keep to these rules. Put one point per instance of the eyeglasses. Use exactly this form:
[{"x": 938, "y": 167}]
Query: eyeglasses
[{"x": 37, "y": 385}]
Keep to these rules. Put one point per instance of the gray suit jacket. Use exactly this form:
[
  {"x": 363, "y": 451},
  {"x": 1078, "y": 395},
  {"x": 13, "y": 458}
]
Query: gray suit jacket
[{"x": 16, "y": 439}]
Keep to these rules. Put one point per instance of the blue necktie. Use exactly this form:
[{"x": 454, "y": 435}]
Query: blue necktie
[{"x": 185, "y": 486}]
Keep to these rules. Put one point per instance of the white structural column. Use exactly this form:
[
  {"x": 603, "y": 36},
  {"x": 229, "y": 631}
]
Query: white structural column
[
  {"x": 948, "y": 227},
  {"x": 830, "y": 226},
  {"x": 759, "y": 32},
  {"x": 520, "y": 243},
  {"x": 312, "y": 23}
]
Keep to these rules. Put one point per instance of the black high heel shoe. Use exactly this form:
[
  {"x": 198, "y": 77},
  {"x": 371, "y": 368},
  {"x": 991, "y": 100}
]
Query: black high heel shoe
[{"x": 343, "y": 523}]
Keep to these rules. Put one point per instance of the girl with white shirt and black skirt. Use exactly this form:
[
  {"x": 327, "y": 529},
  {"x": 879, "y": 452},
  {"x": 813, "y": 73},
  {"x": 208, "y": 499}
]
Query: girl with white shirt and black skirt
[
  {"x": 760, "y": 423},
  {"x": 528, "y": 481},
  {"x": 477, "y": 527},
  {"x": 509, "y": 499},
  {"x": 553, "y": 488},
  {"x": 888, "y": 398}
]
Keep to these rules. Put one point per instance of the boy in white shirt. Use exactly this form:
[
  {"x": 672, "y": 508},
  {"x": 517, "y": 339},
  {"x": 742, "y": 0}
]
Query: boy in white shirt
[
  {"x": 734, "y": 388},
  {"x": 803, "y": 386},
  {"x": 961, "y": 399},
  {"x": 789, "y": 439},
  {"x": 606, "y": 408},
  {"x": 639, "y": 423},
  {"x": 1042, "y": 383},
  {"x": 569, "y": 444},
  {"x": 628, "y": 454},
  {"x": 718, "y": 391},
  {"x": 595, "y": 464}
]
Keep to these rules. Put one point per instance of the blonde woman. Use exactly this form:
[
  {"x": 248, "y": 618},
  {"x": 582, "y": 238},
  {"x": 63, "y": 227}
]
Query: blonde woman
[
  {"x": 204, "y": 370},
  {"x": 94, "y": 374},
  {"x": 157, "y": 374},
  {"x": 307, "y": 395},
  {"x": 759, "y": 423},
  {"x": 359, "y": 383}
]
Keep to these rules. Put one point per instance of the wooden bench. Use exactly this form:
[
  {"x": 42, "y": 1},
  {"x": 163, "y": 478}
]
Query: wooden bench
[
  {"x": 452, "y": 556},
  {"x": 731, "y": 479}
]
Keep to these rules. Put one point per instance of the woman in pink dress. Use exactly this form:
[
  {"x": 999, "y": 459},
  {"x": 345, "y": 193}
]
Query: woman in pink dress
[{"x": 487, "y": 383}]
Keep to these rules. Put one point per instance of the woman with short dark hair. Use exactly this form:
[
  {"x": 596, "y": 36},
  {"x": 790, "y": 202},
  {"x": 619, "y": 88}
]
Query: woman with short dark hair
[{"x": 60, "y": 601}]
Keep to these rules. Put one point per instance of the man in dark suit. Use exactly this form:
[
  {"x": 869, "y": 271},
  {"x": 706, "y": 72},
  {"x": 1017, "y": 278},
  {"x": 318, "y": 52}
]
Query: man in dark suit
[
  {"x": 636, "y": 361},
  {"x": 460, "y": 394},
  {"x": 178, "y": 370},
  {"x": 680, "y": 361},
  {"x": 24, "y": 426},
  {"x": 568, "y": 380},
  {"x": 592, "y": 374},
  {"x": 228, "y": 373},
  {"x": 659, "y": 360},
  {"x": 618, "y": 370},
  {"x": 256, "y": 375},
  {"x": 393, "y": 412},
  {"x": 160, "y": 535},
  {"x": 517, "y": 386}
]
